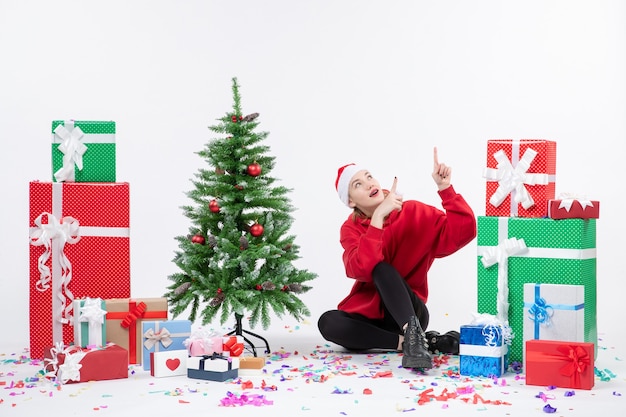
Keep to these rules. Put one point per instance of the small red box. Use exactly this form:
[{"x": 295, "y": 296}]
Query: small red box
[
  {"x": 110, "y": 362},
  {"x": 559, "y": 363},
  {"x": 523, "y": 170},
  {"x": 573, "y": 209},
  {"x": 79, "y": 247}
]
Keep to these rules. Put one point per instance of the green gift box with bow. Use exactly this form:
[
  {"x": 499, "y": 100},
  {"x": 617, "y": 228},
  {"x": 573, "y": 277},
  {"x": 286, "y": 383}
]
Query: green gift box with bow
[
  {"x": 83, "y": 151},
  {"x": 514, "y": 251}
]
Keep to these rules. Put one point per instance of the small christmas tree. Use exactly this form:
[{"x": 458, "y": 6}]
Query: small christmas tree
[{"x": 238, "y": 255}]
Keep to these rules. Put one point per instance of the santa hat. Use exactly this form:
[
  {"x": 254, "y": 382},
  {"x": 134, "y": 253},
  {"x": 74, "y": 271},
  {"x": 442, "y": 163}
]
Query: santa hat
[{"x": 342, "y": 183}]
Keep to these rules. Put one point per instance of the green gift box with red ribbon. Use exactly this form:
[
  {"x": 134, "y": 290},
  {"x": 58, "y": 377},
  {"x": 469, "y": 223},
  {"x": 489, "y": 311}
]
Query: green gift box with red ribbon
[
  {"x": 560, "y": 364},
  {"x": 83, "y": 151},
  {"x": 124, "y": 322},
  {"x": 514, "y": 251},
  {"x": 79, "y": 247}
]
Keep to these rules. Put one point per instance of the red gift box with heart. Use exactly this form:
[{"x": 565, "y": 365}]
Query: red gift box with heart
[
  {"x": 79, "y": 247},
  {"x": 168, "y": 363}
]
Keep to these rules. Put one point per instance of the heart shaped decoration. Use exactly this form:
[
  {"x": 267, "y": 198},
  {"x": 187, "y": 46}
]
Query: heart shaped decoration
[{"x": 172, "y": 364}]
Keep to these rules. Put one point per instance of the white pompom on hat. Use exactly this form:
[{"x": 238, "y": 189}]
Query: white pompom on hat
[{"x": 342, "y": 183}]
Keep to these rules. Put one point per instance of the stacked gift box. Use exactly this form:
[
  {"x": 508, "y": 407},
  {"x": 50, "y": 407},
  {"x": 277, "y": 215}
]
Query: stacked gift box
[
  {"x": 536, "y": 259},
  {"x": 84, "y": 323},
  {"x": 79, "y": 253}
]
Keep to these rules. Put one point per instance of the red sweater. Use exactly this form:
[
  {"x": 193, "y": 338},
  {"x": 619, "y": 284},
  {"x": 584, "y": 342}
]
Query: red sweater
[{"x": 410, "y": 240}]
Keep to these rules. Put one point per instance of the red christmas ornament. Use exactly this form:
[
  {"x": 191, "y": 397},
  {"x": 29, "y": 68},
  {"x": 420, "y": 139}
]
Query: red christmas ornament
[
  {"x": 239, "y": 187},
  {"x": 254, "y": 169},
  {"x": 258, "y": 287},
  {"x": 234, "y": 119},
  {"x": 256, "y": 230},
  {"x": 214, "y": 206},
  {"x": 198, "y": 239}
]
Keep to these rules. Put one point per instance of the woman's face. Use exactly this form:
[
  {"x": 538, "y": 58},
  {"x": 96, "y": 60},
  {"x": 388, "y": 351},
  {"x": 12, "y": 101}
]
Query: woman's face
[{"x": 365, "y": 192}]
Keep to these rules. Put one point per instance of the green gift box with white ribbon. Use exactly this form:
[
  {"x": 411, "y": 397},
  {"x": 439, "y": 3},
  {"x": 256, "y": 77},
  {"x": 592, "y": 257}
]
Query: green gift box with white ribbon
[
  {"x": 83, "y": 151},
  {"x": 514, "y": 251}
]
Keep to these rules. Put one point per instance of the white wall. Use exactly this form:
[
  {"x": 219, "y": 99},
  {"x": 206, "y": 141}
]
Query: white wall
[{"x": 379, "y": 83}]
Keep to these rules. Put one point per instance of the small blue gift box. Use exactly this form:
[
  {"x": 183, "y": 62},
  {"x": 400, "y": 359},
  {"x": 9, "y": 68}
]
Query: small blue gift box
[
  {"x": 213, "y": 367},
  {"x": 482, "y": 351},
  {"x": 159, "y": 336}
]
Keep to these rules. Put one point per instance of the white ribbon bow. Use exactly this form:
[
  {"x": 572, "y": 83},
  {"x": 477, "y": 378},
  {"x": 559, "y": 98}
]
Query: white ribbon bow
[
  {"x": 152, "y": 338},
  {"x": 73, "y": 149},
  {"x": 493, "y": 328},
  {"x": 567, "y": 199},
  {"x": 500, "y": 254},
  {"x": 69, "y": 370},
  {"x": 513, "y": 179},
  {"x": 65, "y": 231},
  {"x": 92, "y": 312}
]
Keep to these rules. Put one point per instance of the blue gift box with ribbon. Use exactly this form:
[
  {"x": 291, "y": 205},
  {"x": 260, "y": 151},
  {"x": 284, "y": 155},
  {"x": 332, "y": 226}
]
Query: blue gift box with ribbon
[
  {"x": 166, "y": 335},
  {"x": 482, "y": 350},
  {"x": 215, "y": 367},
  {"x": 554, "y": 312}
]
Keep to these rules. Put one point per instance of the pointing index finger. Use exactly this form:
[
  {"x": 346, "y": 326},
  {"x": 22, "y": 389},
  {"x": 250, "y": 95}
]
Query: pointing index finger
[
  {"x": 395, "y": 183},
  {"x": 436, "y": 158}
]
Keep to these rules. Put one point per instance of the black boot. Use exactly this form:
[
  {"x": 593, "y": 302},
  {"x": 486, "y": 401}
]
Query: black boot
[
  {"x": 414, "y": 348},
  {"x": 443, "y": 343}
]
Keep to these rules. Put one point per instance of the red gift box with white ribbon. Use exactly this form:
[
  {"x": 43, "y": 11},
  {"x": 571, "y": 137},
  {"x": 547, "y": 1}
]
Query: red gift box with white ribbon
[
  {"x": 572, "y": 206},
  {"x": 79, "y": 247},
  {"x": 520, "y": 177}
]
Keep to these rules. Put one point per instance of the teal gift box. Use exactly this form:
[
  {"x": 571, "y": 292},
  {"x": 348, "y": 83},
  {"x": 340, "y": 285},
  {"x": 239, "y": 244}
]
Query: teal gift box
[
  {"x": 89, "y": 322},
  {"x": 557, "y": 252},
  {"x": 482, "y": 351},
  {"x": 160, "y": 336},
  {"x": 83, "y": 151}
]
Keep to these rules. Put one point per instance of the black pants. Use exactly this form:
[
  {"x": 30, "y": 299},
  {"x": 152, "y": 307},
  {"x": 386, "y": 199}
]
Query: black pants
[{"x": 399, "y": 303}]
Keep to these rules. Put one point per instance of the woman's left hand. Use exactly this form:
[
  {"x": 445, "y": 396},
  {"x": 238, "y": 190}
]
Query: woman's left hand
[{"x": 441, "y": 172}]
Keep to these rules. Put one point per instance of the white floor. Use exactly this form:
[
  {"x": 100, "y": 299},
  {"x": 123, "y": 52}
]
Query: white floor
[{"x": 306, "y": 376}]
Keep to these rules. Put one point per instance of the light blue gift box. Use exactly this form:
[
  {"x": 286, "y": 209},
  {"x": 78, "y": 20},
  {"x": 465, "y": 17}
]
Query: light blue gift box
[
  {"x": 160, "y": 336},
  {"x": 554, "y": 312},
  {"x": 482, "y": 351}
]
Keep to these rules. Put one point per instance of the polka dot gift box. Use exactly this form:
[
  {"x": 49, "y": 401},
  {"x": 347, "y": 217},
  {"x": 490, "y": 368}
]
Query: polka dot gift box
[
  {"x": 79, "y": 247},
  {"x": 556, "y": 252},
  {"x": 520, "y": 177},
  {"x": 83, "y": 151}
]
